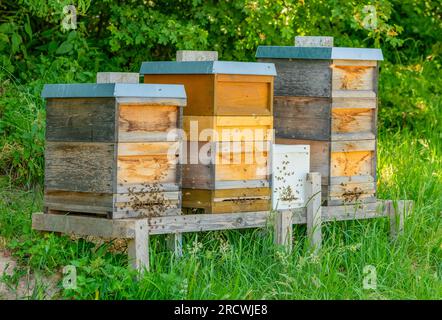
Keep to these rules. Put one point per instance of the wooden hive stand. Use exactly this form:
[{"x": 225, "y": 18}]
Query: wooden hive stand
[{"x": 139, "y": 230}]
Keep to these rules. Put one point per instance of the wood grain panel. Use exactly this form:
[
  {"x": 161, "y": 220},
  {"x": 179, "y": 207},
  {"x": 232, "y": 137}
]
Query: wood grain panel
[
  {"x": 302, "y": 117},
  {"x": 243, "y": 95},
  {"x": 353, "y": 121},
  {"x": 82, "y": 120},
  {"x": 79, "y": 166},
  {"x": 146, "y": 122},
  {"x": 200, "y": 90},
  {"x": 88, "y": 202},
  {"x": 351, "y": 163},
  {"x": 310, "y": 78},
  {"x": 353, "y": 77}
]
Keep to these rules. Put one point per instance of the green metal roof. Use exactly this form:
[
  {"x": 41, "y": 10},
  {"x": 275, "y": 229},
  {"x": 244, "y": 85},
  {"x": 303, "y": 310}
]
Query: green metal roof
[
  {"x": 207, "y": 67},
  {"x": 322, "y": 53},
  {"x": 123, "y": 90}
]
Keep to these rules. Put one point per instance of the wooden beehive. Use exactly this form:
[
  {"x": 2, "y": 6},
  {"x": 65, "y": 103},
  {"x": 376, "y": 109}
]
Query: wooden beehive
[
  {"x": 229, "y": 109},
  {"x": 112, "y": 149},
  {"x": 327, "y": 97}
]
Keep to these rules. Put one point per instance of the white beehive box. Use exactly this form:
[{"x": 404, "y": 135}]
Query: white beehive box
[{"x": 290, "y": 165}]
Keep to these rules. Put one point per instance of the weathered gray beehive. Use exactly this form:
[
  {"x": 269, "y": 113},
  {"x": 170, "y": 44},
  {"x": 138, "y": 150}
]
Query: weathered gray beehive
[
  {"x": 111, "y": 148},
  {"x": 327, "y": 97}
]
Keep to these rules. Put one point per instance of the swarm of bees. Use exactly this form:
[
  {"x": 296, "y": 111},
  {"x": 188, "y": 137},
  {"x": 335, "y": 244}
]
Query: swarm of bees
[{"x": 285, "y": 191}]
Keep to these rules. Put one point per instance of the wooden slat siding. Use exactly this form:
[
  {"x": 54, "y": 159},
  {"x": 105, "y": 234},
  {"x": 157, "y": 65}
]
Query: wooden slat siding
[
  {"x": 152, "y": 211},
  {"x": 81, "y": 120},
  {"x": 353, "y": 145},
  {"x": 302, "y": 117},
  {"x": 243, "y": 95},
  {"x": 147, "y": 163},
  {"x": 351, "y": 179},
  {"x": 308, "y": 78},
  {"x": 352, "y": 136},
  {"x": 224, "y": 201},
  {"x": 146, "y": 169},
  {"x": 243, "y": 184},
  {"x": 338, "y": 189},
  {"x": 143, "y": 187},
  {"x": 353, "y": 103},
  {"x": 98, "y": 203},
  {"x": 352, "y": 76},
  {"x": 353, "y": 63},
  {"x": 319, "y": 156},
  {"x": 351, "y": 163},
  {"x": 240, "y": 128},
  {"x": 355, "y": 120},
  {"x": 200, "y": 91},
  {"x": 249, "y": 205},
  {"x": 353, "y": 94},
  {"x": 139, "y": 123},
  {"x": 340, "y": 201},
  {"x": 79, "y": 166}
]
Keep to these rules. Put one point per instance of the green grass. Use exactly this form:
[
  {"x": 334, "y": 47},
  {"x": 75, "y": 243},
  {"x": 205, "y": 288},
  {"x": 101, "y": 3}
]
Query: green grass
[{"x": 246, "y": 264}]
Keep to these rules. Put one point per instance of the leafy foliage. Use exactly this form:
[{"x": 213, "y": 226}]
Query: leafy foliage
[{"x": 113, "y": 35}]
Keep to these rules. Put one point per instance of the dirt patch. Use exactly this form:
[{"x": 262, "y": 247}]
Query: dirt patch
[{"x": 18, "y": 284}]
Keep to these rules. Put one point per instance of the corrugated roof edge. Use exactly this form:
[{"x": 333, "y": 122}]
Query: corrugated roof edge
[
  {"x": 292, "y": 52},
  {"x": 103, "y": 90},
  {"x": 208, "y": 67}
]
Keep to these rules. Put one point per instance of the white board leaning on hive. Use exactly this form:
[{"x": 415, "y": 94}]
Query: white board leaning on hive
[{"x": 290, "y": 165}]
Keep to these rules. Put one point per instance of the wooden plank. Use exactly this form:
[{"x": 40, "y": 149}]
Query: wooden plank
[
  {"x": 302, "y": 117},
  {"x": 79, "y": 166},
  {"x": 350, "y": 63},
  {"x": 124, "y": 228},
  {"x": 314, "y": 215},
  {"x": 351, "y": 188},
  {"x": 149, "y": 148},
  {"x": 355, "y": 200},
  {"x": 200, "y": 90},
  {"x": 198, "y": 176},
  {"x": 353, "y": 136},
  {"x": 144, "y": 187},
  {"x": 83, "y": 225},
  {"x": 398, "y": 211},
  {"x": 243, "y": 95},
  {"x": 228, "y": 128},
  {"x": 284, "y": 229},
  {"x": 80, "y": 120},
  {"x": 241, "y": 205},
  {"x": 309, "y": 78},
  {"x": 138, "y": 122},
  {"x": 346, "y": 77},
  {"x": 354, "y": 145},
  {"x": 138, "y": 247},
  {"x": 353, "y": 103},
  {"x": 353, "y": 94},
  {"x": 351, "y": 179},
  {"x": 356, "y": 120},
  {"x": 146, "y": 169},
  {"x": 88, "y": 202},
  {"x": 351, "y": 163},
  {"x": 305, "y": 107}
]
